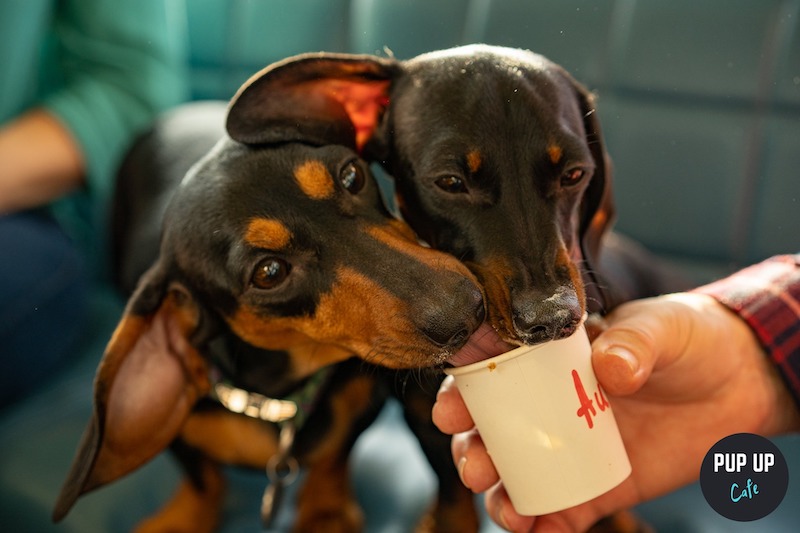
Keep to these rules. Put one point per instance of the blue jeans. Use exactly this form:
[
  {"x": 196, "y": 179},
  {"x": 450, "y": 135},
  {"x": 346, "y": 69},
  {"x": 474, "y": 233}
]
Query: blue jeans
[{"x": 43, "y": 301}]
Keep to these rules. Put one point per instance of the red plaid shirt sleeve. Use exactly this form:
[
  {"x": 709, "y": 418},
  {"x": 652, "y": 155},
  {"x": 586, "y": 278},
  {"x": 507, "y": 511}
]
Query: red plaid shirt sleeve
[{"x": 767, "y": 297}]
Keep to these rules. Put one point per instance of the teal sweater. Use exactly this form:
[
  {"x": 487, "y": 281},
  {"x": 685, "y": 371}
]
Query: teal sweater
[{"x": 105, "y": 68}]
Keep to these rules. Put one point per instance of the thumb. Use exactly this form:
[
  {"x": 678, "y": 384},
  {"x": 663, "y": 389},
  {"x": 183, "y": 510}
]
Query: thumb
[{"x": 639, "y": 336}]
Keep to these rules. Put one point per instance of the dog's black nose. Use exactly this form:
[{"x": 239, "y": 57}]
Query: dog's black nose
[
  {"x": 443, "y": 338},
  {"x": 480, "y": 311},
  {"x": 450, "y": 325},
  {"x": 538, "y": 319}
]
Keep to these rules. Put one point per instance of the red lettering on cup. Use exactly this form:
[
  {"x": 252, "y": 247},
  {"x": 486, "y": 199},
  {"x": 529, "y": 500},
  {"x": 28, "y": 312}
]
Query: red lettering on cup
[{"x": 587, "y": 407}]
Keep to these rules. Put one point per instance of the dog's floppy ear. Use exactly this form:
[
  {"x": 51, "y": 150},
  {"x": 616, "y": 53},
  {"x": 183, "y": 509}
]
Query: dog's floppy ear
[
  {"x": 146, "y": 384},
  {"x": 598, "y": 211},
  {"x": 597, "y": 208},
  {"x": 314, "y": 98}
]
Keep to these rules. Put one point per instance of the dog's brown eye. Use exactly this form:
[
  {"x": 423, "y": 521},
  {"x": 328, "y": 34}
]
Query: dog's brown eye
[
  {"x": 451, "y": 184},
  {"x": 572, "y": 177},
  {"x": 270, "y": 273},
  {"x": 352, "y": 178}
]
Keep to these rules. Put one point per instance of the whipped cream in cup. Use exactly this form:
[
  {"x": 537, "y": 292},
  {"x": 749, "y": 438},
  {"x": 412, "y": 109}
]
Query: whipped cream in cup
[{"x": 546, "y": 424}]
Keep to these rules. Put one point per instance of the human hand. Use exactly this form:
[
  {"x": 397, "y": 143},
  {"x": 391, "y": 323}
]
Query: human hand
[
  {"x": 27, "y": 179},
  {"x": 681, "y": 372}
]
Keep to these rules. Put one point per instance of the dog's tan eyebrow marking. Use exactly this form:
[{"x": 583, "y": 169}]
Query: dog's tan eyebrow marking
[
  {"x": 314, "y": 179},
  {"x": 555, "y": 153},
  {"x": 267, "y": 233},
  {"x": 474, "y": 160}
]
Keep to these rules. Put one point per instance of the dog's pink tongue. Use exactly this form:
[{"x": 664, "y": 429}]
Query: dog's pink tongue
[{"x": 483, "y": 344}]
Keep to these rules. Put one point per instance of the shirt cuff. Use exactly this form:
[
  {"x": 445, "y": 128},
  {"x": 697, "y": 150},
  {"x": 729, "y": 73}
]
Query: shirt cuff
[{"x": 767, "y": 297}]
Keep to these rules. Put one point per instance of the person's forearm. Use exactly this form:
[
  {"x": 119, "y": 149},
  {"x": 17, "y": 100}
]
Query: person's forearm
[{"x": 39, "y": 162}]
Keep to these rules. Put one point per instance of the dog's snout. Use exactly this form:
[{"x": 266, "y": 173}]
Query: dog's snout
[
  {"x": 538, "y": 319},
  {"x": 450, "y": 324},
  {"x": 444, "y": 339},
  {"x": 480, "y": 309}
]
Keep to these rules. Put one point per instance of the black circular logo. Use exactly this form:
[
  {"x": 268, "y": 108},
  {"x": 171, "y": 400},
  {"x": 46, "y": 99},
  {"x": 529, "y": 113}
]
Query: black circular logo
[{"x": 744, "y": 477}]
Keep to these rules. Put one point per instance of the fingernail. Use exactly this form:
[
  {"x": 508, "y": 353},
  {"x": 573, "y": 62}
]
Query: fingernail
[
  {"x": 625, "y": 355},
  {"x": 462, "y": 463}
]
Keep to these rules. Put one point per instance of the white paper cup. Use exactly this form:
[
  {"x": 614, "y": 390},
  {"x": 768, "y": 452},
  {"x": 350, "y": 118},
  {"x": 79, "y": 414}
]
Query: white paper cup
[{"x": 553, "y": 445}]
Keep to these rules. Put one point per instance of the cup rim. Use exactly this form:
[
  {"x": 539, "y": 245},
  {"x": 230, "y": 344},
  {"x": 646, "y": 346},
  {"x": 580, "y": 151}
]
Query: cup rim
[{"x": 511, "y": 354}]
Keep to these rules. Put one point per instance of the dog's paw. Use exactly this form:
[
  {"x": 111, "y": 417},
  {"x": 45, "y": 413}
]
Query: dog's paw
[
  {"x": 345, "y": 519},
  {"x": 189, "y": 511},
  {"x": 172, "y": 523}
]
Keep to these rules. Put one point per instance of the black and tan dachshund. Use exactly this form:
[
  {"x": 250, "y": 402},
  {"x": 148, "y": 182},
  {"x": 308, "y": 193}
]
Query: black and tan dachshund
[
  {"x": 498, "y": 159},
  {"x": 276, "y": 262}
]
